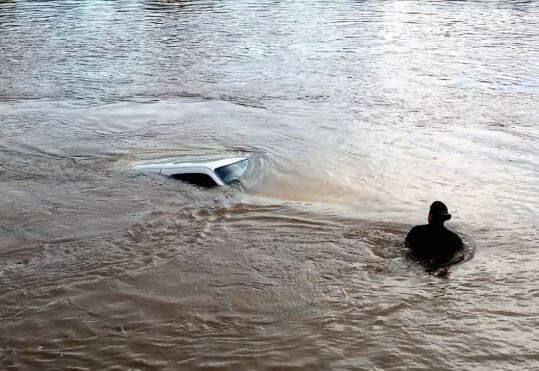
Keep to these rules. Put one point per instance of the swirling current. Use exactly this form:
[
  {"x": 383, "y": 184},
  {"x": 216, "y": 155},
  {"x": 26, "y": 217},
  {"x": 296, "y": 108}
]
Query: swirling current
[{"x": 357, "y": 115}]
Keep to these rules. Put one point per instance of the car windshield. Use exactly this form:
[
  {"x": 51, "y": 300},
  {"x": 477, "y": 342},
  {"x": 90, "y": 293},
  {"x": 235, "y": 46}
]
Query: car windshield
[{"x": 232, "y": 172}]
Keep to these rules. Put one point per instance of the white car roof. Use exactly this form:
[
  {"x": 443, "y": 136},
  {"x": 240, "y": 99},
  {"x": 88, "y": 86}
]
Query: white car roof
[{"x": 189, "y": 164}]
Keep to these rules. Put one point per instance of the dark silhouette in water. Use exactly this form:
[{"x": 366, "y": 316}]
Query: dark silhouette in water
[{"x": 433, "y": 244}]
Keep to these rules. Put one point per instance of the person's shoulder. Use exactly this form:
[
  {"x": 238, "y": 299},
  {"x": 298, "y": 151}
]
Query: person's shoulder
[
  {"x": 419, "y": 228},
  {"x": 454, "y": 236},
  {"x": 451, "y": 233},
  {"x": 415, "y": 231}
]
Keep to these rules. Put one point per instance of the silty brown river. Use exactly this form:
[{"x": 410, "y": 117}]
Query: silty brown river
[{"x": 357, "y": 115}]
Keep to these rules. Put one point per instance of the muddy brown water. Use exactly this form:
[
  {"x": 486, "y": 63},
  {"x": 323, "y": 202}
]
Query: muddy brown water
[{"x": 357, "y": 114}]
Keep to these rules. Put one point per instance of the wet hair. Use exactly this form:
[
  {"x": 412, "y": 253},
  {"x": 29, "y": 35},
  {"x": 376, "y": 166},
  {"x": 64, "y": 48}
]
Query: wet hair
[{"x": 439, "y": 212}]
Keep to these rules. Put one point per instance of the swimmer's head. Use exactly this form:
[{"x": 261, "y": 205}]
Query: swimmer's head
[{"x": 438, "y": 213}]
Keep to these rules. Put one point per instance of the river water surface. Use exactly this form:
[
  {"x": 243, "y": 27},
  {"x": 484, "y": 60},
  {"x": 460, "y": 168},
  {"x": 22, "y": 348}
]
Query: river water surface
[{"x": 357, "y": 114}]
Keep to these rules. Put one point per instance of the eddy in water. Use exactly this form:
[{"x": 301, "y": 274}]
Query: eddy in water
[{"x": 433, "y": 244}]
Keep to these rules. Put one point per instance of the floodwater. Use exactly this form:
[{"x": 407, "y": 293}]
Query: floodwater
[{"x": 357, "y": 114}]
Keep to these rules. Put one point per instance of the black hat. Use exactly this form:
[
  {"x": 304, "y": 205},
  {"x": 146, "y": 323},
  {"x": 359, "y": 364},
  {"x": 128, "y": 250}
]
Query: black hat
[{"x": 439, "y": 210}]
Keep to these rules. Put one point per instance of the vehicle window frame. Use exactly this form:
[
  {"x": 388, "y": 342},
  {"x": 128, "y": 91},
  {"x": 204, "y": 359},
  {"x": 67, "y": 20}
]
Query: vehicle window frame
[{"x": 208, "y": 182}]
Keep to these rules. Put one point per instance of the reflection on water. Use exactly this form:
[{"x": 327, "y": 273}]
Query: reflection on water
[{"x": 359, "y": 115}]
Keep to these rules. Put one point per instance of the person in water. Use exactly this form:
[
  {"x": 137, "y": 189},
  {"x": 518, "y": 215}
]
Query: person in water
[{"x": 433, "y": 244}]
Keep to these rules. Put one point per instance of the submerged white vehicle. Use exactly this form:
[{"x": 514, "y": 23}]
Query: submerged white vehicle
[{"x": 202, "y": 172}]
